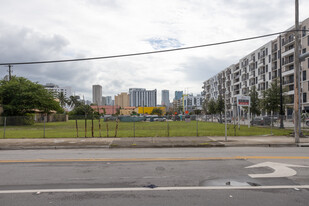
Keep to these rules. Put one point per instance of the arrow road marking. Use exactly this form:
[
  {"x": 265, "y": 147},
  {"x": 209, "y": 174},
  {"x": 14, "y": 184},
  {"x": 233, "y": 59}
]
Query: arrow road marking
[{"x": 280, "y": 170}]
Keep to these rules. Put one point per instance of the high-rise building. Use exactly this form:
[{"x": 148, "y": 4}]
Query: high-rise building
[
  {"x": 165, "y": 98},
  {"x": 142, "y": 97},
  {"x": 97, "y": 94},
  {"x": 55, "y": 89},
  {"x": 178, "y": 95},
  {"x": 122, "y": 100},
  {"x": 103, "y": 103},
  {"x": 261, "y": 67},
  {"x": 109, "y": 100}
]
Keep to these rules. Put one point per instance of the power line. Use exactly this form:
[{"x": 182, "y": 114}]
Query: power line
[{"x": 145, "y": 53}]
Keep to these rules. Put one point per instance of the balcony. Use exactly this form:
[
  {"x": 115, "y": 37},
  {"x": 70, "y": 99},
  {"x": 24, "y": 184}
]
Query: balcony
[
  {"x": 287, "y": 62},
  {"x": 289, "y": 81},
  {"x": 287, "y": 72},
  {"x": 288, "y": 52},
  {"x": 260, "y": 63},
  {"x": 288, "y": 41}
]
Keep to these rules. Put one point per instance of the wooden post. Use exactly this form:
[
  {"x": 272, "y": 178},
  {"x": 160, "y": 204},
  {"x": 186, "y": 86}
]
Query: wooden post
[
  {"x": 76, "y": 128},
  {"x": 106, "y": 129},
  {"x": 116, "y": 129},
  {"x": 92, "y": 132},
  {"x": 99, "y": 126}
]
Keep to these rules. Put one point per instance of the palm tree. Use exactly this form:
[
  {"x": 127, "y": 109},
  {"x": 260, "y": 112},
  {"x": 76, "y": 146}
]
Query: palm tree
[
  {"x": 73, "y": 102},
  {"x": 62, "y": 99}
]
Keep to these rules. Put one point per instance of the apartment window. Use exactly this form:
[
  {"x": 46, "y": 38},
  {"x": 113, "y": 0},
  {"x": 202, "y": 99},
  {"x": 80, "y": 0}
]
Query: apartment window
[
  {"x": 304, "y": 50},
  {"x": 259, "y": 55},
  {"x": 269, "y": 75},
  {"x": 304, "y": 97},
  {"x": 266, "y": 51},
  {"x": 266, "y": 68},
  {"x": 304, "y": 31},
  {"x": 304, "y": 75},
  {"x": 269, "y": 58}
]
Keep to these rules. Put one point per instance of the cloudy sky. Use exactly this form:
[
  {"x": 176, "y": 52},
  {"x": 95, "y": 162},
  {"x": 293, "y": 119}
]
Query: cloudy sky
[{"x": 36, "y": 30}]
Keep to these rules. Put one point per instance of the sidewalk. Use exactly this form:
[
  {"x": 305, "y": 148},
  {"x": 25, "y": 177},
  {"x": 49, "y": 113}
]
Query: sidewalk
[{"x": 151, "y": 142}]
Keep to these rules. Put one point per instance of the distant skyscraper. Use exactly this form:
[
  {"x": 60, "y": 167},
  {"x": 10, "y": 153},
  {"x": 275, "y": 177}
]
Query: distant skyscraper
[
  {"x": 97, "y": 94},
  {"x": 165, "y": 98},
  {"x": 109, "y": 100},
  {"x": 141, "y": 97},
  {"x": 122, "y": 100},
  {"x": 178, "y": 95},
  {"x": 103, "y": 103}
]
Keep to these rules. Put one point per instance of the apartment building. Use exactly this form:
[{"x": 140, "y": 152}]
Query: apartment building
[
  {"x": 142, "y": 97},
  {"x": 55, "y": 89},
  {"x": 122, "y": 100},
  {"x": 191, "y": 102},
  {"x": 260, "y": 67}
]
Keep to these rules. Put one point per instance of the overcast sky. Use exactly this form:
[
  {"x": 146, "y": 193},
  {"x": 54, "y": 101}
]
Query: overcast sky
[{"x": 36, "y": 30}]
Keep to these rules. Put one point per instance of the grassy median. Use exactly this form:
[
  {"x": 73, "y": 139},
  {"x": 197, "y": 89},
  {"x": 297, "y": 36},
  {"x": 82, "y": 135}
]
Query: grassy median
[{"x": 130, "y": 129}]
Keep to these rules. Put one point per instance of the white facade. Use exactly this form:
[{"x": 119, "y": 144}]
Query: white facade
[
  {"x": 67, "y": 91},
  {"x": 191, "y": 102},
  {"x": 142, "y": 97}
]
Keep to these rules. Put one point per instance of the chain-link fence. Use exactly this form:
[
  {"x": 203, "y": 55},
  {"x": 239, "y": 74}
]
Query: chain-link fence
[{"x": 84, "y": 126}]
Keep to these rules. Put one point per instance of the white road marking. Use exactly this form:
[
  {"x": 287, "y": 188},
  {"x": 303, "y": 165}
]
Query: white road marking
[
  {"x": 132, "y": 189},
  {"x": 280, "y": 170}
]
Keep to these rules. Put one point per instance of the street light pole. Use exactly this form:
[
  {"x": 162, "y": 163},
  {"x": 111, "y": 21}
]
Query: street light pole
[
  {"x": 296, "y": 76},
  {"x": 225, "y": 118}
]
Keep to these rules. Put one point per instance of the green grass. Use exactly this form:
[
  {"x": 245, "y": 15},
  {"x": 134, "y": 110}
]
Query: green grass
[{"x": 126, "y": 129}]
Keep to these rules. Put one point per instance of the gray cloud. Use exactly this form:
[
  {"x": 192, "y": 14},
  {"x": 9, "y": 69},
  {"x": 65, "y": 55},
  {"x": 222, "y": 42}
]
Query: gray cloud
[
  {"x": 200, "y": 69},
  {"x": 24, "y": 44}
]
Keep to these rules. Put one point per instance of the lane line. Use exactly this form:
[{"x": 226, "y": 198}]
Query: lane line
[
  {"x": 152, "y": 159},
  {"x": 38, "y": 191}
]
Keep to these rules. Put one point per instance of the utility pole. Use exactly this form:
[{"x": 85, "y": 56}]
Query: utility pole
[
  {"x": 281, "y": 97},
  {"x": 10, "y": 72},
  {"x": 296, "y": 77}
]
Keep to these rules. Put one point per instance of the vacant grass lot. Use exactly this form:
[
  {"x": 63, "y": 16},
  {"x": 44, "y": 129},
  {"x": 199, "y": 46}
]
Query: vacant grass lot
[{"x": 126, "y": 129}]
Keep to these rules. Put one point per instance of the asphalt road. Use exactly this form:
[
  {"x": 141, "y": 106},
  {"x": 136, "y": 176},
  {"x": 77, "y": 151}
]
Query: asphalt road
[{"x": 180, "y": 176}]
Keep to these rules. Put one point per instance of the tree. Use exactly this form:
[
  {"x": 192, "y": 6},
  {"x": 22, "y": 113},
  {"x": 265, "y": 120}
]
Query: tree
[
  {"x": 212, "y": 108},
  {"x": 157, "y": 111},
  {"x": 82, "y": 109},
  {"x": 271, "y": 97},
  {"x": 220, "y": 106},
  {"x": 204, "y": 106},
  {"x": 20, "y": 96},
  {"x": 255, "y": 102},
  {"x": 73, "y": 102},
  {"x": 62, "y": 99}
]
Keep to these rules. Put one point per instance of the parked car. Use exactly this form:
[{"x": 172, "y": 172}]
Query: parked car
[
  {"x": 261, "y": 121},
  {"x": 228, "y": 120}
]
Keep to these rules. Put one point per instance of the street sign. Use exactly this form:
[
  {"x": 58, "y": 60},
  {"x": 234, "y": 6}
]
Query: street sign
[
  {"x": 280, "y": 170},
  {"x": 243, "y": 101}
]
